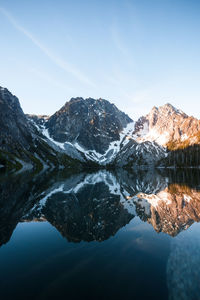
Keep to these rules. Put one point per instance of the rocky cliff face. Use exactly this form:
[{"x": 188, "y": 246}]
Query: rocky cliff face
[
  {"x": 168, "y": 127},
  {"x": 158, "y": 135},
  {"x": 21, "y": 144},
  {"x": 90, "y": 130},
  {"x": 92, "y": 124},
  {"x": 143, "y": 155},
  {"x": 15, "y": 130}
]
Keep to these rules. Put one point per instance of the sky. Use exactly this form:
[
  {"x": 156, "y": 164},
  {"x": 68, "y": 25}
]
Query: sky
[{"x": 137, "y": 54}]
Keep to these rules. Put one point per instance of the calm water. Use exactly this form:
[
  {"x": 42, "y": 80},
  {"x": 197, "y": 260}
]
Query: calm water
[{"x": 102, "y": 235}]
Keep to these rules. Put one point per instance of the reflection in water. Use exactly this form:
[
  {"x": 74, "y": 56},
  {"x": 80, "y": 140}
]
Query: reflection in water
[
  {"x": 171, "y": 210},
  {"x": 93, "y": 207}
]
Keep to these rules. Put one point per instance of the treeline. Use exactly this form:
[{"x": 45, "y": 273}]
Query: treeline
[
  {"x": 182, "y": 176},
  {"x": 186, "y": 157}
]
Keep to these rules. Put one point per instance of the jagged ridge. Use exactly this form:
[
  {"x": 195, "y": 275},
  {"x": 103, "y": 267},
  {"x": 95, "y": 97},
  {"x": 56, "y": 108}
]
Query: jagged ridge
[{"x": 89, "y": 130}]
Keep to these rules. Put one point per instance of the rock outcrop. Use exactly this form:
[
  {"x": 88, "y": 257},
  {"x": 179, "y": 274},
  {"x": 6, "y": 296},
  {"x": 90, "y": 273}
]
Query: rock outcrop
[
  {"x": 92, "y": 124},
  {"x": 95, "y": 133},
  {"x": 168, "y": 127},
  {"x": 21, "y": 144}
]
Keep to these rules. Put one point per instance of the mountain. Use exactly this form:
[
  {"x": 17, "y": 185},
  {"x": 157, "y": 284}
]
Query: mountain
[
  {"x": 164, "y": 137},
  {"x": 93, "y": 124},
  {"x": 168, "y": 127},
  {"x": 95, "y": 133},
  {"x": 15, "y": 129},
  {"x": 21, "y": 145},
  {"x": 95, "y": 130},
  {"x": 92, "y": 127}
]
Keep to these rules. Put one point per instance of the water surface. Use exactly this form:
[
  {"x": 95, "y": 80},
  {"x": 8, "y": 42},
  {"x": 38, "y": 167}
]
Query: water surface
[{"x": 103, "y": 235}]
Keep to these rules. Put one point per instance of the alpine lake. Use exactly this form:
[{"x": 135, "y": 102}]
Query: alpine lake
[{"x": 100, "y": 235}]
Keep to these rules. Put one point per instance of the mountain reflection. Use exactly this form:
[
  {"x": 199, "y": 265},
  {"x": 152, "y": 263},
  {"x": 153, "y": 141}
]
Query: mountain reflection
[
  {"x": 172, "y": 210},
  {"x": 93, "y": 207}
]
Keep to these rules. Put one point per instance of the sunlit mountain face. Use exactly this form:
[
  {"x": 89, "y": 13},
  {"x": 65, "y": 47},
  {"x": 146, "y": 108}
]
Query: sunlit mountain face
[
  {"x": 122, "y": 223},
  {"x": 94, "y": 133}
]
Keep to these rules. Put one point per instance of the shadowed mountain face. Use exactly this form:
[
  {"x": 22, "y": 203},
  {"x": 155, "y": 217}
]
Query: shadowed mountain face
[
  {"x": 93, "y": 124},
  {"x": 89, "y": 132},
  {"x": 104, "y": 134},
  {"x": 15, "y": 129},
  {"x": 21, "y": 144},
  {"x": 95, "y": 206}
]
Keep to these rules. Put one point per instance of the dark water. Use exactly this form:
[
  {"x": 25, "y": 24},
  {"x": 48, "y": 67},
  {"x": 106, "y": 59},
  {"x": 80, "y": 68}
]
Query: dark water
[{"x": 102, "y": 235}]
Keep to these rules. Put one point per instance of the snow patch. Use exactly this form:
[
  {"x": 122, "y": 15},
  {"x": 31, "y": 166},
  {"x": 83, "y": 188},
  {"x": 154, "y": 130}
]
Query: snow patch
[
  {"x": 102, "y": 176},
  {"x": 45, "y": 132},
  {"x": 153, "y": 135},
  {"x": 113, "y": 149},
  {"x": 184, "y": 137},
  {"x": 187, "y": 198},
  {"x": 155, "y": 199}
]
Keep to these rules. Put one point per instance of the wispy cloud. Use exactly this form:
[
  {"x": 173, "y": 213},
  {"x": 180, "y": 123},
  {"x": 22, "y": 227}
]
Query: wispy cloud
[
  {"x": 54, "y": 58},
  {"x": 45, "y": 76},
  {"x": 119, "y": 44}
]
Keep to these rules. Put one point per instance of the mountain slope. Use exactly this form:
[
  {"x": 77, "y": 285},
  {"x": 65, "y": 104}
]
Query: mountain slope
[
  {"x": 93, "y": 124},
  {"x": 15, "y": 129},
  {"x": 95, "y": 133},
  {"x": 168, "y": 127},
  {"x": 94, "y": 128},
  {"x": 158, "y": 138},
  {"x": 21, "y": 144}
]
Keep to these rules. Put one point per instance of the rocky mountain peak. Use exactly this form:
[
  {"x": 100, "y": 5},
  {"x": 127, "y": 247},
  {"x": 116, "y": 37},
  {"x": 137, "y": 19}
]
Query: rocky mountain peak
[
  {"x": 167, "y": 126},
  {"x": 166, "y": 110},
  {"x": 7, "y": 98},
  {"x": 91, "y": 123},
  {"x": 13, "y": 123},
  {"x": 96, "y": 130},
  {"x": 163, "y": 115}
]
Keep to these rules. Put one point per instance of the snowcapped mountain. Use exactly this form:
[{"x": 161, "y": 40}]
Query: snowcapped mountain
[
  {"x": 168, "y": 127},
  {"x": 96, "y": 132},
  {"x": 96, "y": 129},
  {"x": 21, "y": 146},
  {"x": 158, "y": 135}
]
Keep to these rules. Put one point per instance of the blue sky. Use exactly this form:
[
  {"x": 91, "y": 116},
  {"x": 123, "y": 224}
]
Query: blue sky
[{"x": 136, "y": 54}]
